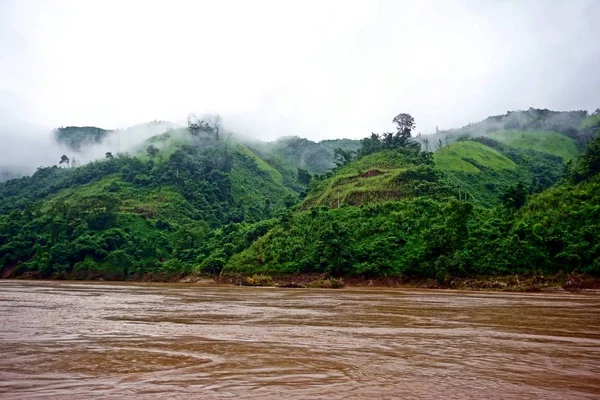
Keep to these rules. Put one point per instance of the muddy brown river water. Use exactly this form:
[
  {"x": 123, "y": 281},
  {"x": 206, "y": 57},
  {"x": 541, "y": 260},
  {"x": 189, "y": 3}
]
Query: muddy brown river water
[{"x": 95, "y": 340}]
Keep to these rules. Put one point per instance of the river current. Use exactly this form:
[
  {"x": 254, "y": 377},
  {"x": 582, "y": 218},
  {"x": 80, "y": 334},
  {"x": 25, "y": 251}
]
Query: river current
[{"x": 124, "y": 340}]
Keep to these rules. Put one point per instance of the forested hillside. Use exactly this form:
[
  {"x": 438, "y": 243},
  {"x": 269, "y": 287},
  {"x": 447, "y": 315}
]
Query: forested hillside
[
  {"x": 129, "y": 215},
  {"x": 439, "y": 231},
  {"x": 193, "y": 201},
  {"x": 536, "y": 145},
  {"x": 569, "y": 123},
  {"x": 314, "y": 157}
]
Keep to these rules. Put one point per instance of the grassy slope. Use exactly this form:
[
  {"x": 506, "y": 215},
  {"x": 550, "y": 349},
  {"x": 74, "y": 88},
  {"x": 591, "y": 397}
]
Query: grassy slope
[
  {"x": 155, "y": 203},
  {"x": 251, "y": 189},
  {"x": 590, "y": 121},
  {"x": 546, "y": 142},
  {"x": 479, "y": 170},
  {"x": 484, "y": 173},
  {"x": 262, "y": 165},
  {"x": 382, "y": 176},
  {"x": 470, "y": 157}
]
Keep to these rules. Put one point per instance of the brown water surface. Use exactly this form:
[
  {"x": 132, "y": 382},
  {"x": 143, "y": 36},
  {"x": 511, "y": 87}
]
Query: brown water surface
[{"x": 85, "y": 340}]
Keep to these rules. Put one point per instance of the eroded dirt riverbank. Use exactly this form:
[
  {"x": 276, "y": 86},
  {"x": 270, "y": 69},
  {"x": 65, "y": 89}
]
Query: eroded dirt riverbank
[{"x": 134, "y": 340}]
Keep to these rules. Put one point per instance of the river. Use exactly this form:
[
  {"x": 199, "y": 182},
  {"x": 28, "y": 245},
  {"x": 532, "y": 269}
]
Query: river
[{"x": 124, "y": 340}]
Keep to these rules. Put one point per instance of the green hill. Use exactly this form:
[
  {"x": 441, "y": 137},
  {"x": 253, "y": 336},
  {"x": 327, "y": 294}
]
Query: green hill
[
  {"x": 553, "y": 143},
  {"x": 383, "y": 176},
  {"x": 531, "y": 147},
  {"x": 357, "y": 220},
  {"x": 132, "y": 216},
  {"x": 576, "y": 125},
  {"x": 591, "y": 121},
  {"x": 484, "y": 168},
  {"x": 471, "y": 157},
  {"x": 533, "y": 119}
]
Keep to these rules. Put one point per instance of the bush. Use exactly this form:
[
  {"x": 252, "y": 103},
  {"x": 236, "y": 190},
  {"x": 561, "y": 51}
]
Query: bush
[
  {"x": 86, "y": 269},
  {"x": 258, "y": 280},
  {"x": 20, "y": 269},
  {"x": 212, "y": 265},
  {"x": 175, "y": 267},
  {"x": 330, "y": 283}
]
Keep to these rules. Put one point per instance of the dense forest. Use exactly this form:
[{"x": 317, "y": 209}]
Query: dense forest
[{"x": 514, "y": 194}]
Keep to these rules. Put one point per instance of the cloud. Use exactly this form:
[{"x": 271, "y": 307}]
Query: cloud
[{"x": 315, "y": 69}]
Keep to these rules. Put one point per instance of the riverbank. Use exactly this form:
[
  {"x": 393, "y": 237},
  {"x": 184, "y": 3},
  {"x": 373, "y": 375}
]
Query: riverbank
[{"x": 573, "y": 282}]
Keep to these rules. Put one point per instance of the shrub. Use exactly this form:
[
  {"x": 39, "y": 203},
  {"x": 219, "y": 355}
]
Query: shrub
[
  {"x": 258, "y": 280},
  {"x": 330, "y": 283}
]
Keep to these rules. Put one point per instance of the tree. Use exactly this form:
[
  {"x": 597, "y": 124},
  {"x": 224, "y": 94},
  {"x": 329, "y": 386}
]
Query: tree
[
  {"x": 304, "y": 177},
  {"x": 591, "y": 157},
  {"x": 405, "y": 124},
  {"x": 370, "y": 144},
  {"x": 342, "y": 157},
  {"x": 216, "y": 124},
  {"x": 194, "y": 124},
  {"x": 211, "y": 124},
  {"x": 64, "y": 160},
  {"x": 426, "y": 143},
  {"x": 152, "y": 151},
  {"x": 388, "y": 140},
  {"x": 109, "y": 155},
  {"x": 391, "y": 140},
  {"x": 334, "y": 246},
  {"x": 588, "y": 164},
  {"x": 515, "y": 196}
]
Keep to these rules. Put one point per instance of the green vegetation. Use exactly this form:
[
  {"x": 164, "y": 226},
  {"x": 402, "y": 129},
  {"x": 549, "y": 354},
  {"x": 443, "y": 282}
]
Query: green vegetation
[
  {"x": 293, "y": 152},
  {"x": 76, "y": 137},
  {"x": 471, "y": 157},
  {"x": 140, "y": 216},
  {"x": 382, "y": 176},
  {"x": 329, "y": 283},
  {"x": 484, "y": 168},
  {"x": 191, "y": 203},
  {"x": 539, "y": 143},
  {"x": 555, "y": 231},
  {"x": 553, "y": 143},
  {"x": 592, "y": 121},
  {"x": 567, "y": 123},
  {"x": 258, "y": 280}
]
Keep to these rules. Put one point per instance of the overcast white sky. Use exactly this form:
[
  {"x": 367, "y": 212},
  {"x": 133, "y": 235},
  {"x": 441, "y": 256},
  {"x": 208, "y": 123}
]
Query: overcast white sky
[{"x": 318, "y": 69}]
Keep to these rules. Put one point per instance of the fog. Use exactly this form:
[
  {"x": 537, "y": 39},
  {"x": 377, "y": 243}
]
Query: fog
[
  {"x": 314, "y": 69},
  {"x": 26, "y": 147}
]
